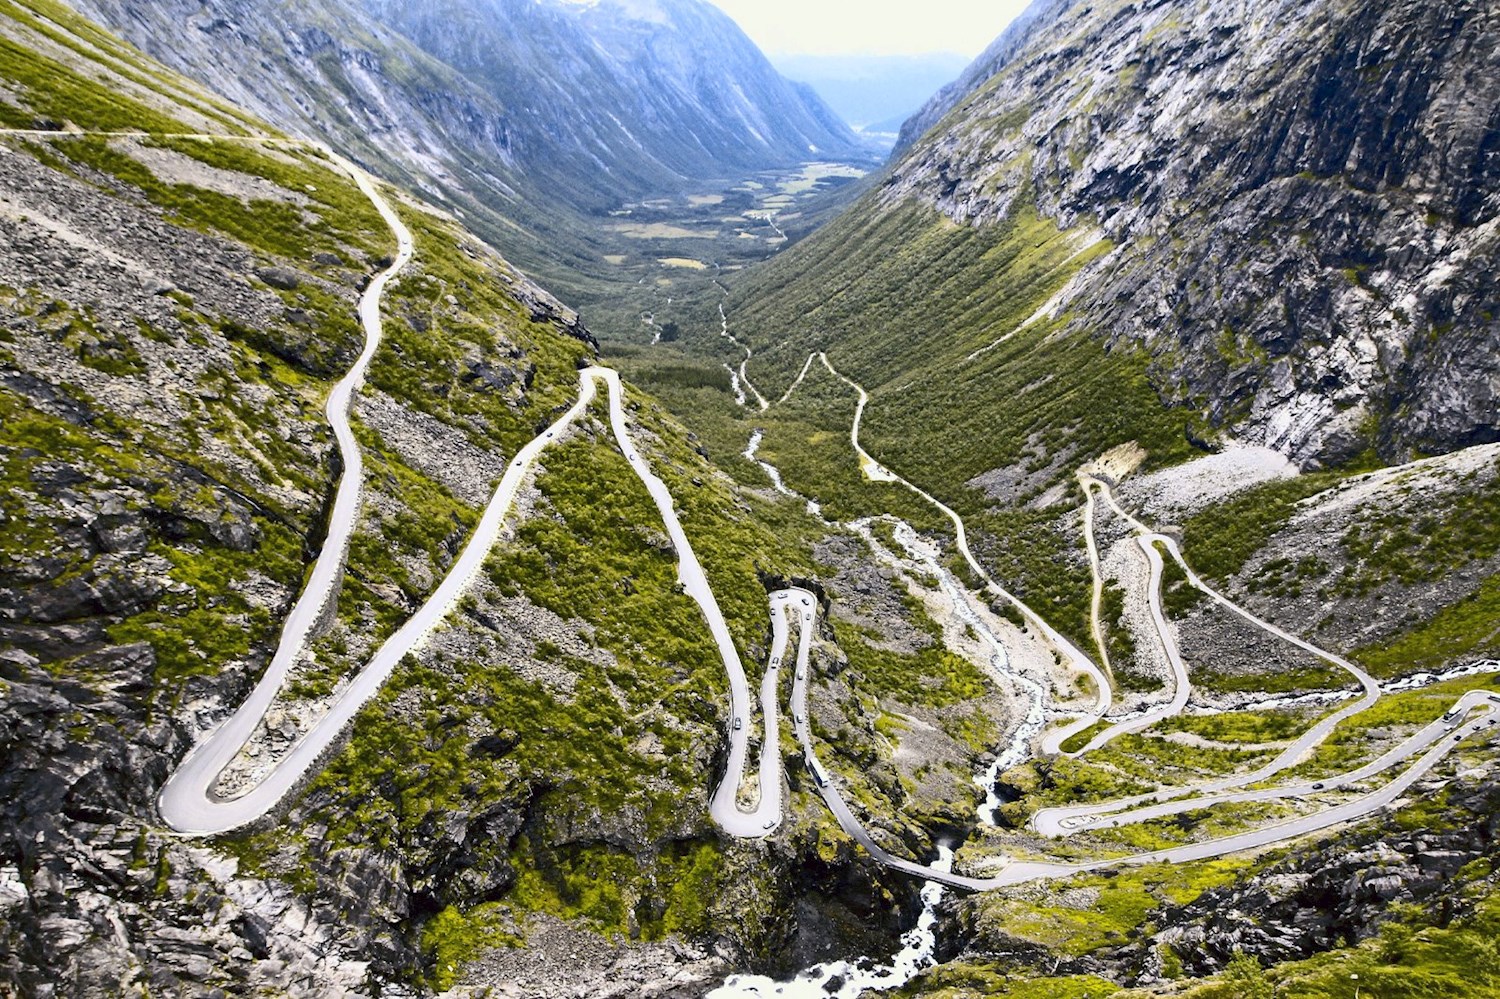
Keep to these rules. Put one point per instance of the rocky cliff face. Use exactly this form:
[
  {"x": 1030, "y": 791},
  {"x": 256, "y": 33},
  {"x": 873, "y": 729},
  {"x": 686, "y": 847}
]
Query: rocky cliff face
[{"x": 1303, "y": 198}]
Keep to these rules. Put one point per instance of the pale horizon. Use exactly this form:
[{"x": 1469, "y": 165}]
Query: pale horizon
[{"x": 878, "y": 28}]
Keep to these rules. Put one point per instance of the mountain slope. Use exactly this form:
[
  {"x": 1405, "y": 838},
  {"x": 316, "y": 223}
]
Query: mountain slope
[
  {"x": 553, "y": 115},
  {"x": 1299, "y": 219},
  {"x": 1313, "y": 205},
  {"x": 1039, "y": 16},
  {"x": 325, "y": 69}
]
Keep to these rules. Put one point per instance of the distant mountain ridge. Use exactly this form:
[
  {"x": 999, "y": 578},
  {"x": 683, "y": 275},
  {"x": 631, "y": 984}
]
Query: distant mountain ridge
[
  {"x": 526, "y": 116},
  {"x": 650, "y": 91}
]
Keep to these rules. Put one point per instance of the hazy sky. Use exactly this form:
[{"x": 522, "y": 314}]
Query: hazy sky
[{"x": 883, "y": 27}]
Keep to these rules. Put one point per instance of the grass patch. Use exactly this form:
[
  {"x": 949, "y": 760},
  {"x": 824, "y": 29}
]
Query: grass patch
[
  {"x": 52, "y": 92},
  {"x": 1251, "y": 727},
  {"x": 1218, "y": 541},
  {"x": 1349, "y": 746},
  {"x": 1466, "y": 630},
  {"x": 1420, "y": 542},
  {"x": 933, "y": 676},
  {"x": 964, "y": 980},
  {"x": 453, "y": 938},
  {"x": 1283, "y": 681},
  {"x": 1078, "y": 740},
  {"x": 1113, "y": 907}
]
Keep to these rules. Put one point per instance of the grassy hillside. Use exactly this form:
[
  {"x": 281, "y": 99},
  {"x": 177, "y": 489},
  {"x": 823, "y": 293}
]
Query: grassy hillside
[{"x": 944, "y": 326}]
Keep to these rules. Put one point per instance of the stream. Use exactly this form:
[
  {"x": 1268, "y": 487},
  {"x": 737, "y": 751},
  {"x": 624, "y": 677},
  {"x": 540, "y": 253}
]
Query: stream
[
  {"x": 774, "y": 473},
  {"x": 1416, "y": 681},
  {"x": 850, "y": 979},
  {"x": 734, "y": 383},
  {"x": 925, "y": 556}
]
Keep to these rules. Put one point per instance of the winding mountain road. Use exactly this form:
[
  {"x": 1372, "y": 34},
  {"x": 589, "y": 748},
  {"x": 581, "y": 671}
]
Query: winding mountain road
[
  {"x": 1077, "y": 820},
  {"x": 1182, "y": 685},
  {"x": 190, "y": 803},
  {"x": 187, "y": 803},
  {"x": 877, "y": 472},
  {"x": 1149, "y": 540},
  {"x": 1434, "y": 741}
]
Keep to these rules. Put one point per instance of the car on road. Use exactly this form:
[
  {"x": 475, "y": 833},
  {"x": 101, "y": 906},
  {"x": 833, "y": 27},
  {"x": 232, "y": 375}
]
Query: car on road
[
  {"x": 1319, "y": 786},
  {"x": 739, "y": 723}
]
